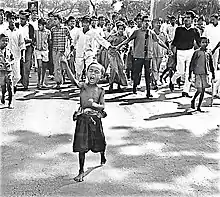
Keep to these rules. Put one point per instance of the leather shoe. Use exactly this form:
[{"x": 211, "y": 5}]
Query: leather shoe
[{"x": 185, "y": 94}]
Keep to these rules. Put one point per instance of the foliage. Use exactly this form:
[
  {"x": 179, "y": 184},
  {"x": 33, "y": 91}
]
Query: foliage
[{"x": 200, "y": 7}]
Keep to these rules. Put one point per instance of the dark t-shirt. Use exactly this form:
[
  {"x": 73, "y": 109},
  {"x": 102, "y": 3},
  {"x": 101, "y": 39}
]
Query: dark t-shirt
[{"x": 184, "y": 38}]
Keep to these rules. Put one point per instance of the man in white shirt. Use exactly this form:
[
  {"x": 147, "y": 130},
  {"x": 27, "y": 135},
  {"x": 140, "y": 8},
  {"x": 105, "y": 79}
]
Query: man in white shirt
[
  {"x": 27, "y": 31},
  {"x": 34, "y": 19},
  {"x": 212, "y": 32},
  {"x": 17, "y": 46},
  {"x": 171, "y": 28},
  {"x": 85, "y": 44}
]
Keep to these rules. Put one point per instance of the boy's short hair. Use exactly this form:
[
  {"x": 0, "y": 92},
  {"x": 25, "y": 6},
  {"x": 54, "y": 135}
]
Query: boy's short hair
[
  {"x": 42, "y": 21},
  {"x": 203, "y": 38},
  {"x": 96, "y": 63}
]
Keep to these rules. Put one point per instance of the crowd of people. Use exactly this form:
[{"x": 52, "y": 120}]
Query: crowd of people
[
  {"x": 121, "y": 46},
  {"x": 117, "y": 49}
]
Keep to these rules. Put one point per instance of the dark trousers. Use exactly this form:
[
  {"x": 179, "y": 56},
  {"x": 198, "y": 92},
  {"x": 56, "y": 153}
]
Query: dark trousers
[
  {"x": 26, "y": 66},
  {"x": 7, "y": 86},
  {"x": 50, "y": 63},
  {"x": 138, "y": 64}
]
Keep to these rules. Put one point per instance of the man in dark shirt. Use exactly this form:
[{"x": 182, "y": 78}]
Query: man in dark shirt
[
  {"x": 183, "y": 46},
  {"x": 143, "y": 53}
]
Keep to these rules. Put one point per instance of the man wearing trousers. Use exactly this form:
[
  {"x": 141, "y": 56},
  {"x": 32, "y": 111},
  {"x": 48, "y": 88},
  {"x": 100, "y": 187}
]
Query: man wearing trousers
[
  {"x": 143, "y": 53},
  {"x": 183, "y": 46}
]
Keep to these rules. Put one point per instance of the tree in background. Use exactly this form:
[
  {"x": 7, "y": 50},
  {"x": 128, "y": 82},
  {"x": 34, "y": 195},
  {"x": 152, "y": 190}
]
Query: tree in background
[{"x": 200, "y": 7}]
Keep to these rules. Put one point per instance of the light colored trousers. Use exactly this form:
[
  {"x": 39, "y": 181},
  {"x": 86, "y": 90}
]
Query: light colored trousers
[
  {"x": 81, "y": 63},
  {"x": 16, "y": 71},
  {"x": 182, "y": 68},
  {"x": 59, "y": 59}
]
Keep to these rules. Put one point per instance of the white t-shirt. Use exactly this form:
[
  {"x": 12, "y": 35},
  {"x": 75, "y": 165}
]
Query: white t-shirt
[{"x": 213, "y": 34}]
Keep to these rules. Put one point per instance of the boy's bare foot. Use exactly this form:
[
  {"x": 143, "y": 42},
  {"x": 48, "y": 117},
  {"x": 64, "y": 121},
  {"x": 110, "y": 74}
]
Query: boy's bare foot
[
  {"x": 79, "y": 177},
  {"x": 103, "y": 160}
]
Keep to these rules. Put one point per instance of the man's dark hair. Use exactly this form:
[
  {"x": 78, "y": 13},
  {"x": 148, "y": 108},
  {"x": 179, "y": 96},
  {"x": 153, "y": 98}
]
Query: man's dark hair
[
  {"x": 70, "y": 18},
  {"x": 10, "y": 15},
  {"x": 42, "y": 21},
  {"x": 2, "y": 10},
  {"x": 172, "y": 17},
  {"x": 50, "y": 14},
  {"x": 191, "y": 13},
  {"x": 94, "y": 18},
  {"x": 86, "y": 18},
  {"x": 215, "y": 16},
  {"x": 145, "y": 16},
  {"x": 3, "y": 36}
]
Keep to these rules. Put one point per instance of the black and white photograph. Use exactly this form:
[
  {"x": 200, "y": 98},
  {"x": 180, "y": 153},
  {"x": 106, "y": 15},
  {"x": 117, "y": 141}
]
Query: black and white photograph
[{"x": 110, "y": 98}]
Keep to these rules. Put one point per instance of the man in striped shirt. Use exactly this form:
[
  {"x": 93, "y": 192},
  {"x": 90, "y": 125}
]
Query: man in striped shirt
[{"x": 59, "y": 34}]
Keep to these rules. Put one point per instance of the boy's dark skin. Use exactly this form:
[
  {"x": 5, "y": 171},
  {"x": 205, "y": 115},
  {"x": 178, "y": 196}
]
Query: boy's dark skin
[
  {"x": 6, "y": 86},
  {"x": 200, "y": 91}
]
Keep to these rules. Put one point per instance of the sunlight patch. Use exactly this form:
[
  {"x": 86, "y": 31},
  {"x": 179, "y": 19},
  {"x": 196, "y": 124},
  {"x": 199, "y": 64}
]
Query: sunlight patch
[
  {"x": 6, "y": 139},
  {"x": 55, "y": 153},
  {"x": 201, "y": 175},
  {"x": 117, "y": 138},
  {"x": 116, "y": 174},
  {"x": 166, "y": 187},
  {"x": 148, "y": 148}
]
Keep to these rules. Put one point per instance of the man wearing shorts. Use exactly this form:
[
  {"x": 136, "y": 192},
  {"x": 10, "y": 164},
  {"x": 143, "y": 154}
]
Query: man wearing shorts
[{"x": 42, "y": 36}]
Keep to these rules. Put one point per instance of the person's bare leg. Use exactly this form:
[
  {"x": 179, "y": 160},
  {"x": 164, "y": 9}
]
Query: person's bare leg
[
  {"x": 103, "y": 159},
  {"x": 79, "y": 177},
  {"x": 200, "y": 100},
  {"x": 194, "y": 99},
  {"x": 44, "y": 66},
  {"x": 39, "y": 62}
]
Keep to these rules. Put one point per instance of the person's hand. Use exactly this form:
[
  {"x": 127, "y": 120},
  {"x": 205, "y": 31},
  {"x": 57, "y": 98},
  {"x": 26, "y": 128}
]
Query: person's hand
[{"x": 91, "y": 101}]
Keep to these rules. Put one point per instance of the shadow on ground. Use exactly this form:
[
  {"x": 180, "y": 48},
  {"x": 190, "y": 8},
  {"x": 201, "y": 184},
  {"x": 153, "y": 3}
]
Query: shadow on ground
[{"x": 148, "y": 156}]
